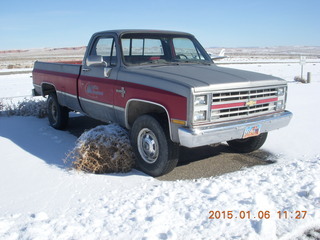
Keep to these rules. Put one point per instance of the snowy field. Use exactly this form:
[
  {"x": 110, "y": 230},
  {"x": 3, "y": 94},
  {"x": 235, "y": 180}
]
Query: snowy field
[{"x": 40, "y": 198}]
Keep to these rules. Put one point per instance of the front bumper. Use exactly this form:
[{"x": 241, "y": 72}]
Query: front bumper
[{"x": 228, "y": 131}]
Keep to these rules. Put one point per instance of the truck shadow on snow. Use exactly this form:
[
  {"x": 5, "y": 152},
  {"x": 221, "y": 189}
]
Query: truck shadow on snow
[
  {"x": 194, "y": 163},
  {"x": 38, "y": 139}
]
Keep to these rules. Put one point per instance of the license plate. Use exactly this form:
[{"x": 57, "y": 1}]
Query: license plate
[{"x": 252, "y": 131}]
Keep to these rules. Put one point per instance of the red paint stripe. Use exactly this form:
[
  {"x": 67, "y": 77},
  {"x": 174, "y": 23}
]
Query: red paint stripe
[
  {"x": 70, "y": 62},
  {"x": 174, "y": 103},
  {"x": 228, "y": 105},
  {"x": 66, "y": 82},
  {"x": 267, "y": 100},
  {"x": 58, "y": 74}
]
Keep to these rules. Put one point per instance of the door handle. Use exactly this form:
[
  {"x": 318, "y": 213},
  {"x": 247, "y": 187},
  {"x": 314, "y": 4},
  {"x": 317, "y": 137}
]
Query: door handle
[{"x": 86, "y": 69}]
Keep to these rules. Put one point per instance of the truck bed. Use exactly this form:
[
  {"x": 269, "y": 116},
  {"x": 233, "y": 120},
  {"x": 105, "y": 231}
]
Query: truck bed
[{"x": 63, "y": 76}]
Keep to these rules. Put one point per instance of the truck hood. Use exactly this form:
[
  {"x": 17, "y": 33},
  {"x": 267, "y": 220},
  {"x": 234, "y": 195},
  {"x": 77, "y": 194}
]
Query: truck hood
[{"x": 202, "y": 78}]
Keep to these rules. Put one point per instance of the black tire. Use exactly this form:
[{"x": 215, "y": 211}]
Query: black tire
[
  {"x": 58, "y": 115},
  {"x": 249, "y": 144},
  {"x": 155, "y": 153}
]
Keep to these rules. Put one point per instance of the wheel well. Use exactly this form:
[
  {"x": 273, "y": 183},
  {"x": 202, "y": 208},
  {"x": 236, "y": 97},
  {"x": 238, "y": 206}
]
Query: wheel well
[
  {"x": 137, "y": 108},
  {"x": 47, "y": 89}
]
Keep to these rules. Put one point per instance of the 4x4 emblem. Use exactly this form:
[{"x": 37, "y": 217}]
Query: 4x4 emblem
[
  {"x": 251, "y": 103},
  {"x": 122, "y": 91}
]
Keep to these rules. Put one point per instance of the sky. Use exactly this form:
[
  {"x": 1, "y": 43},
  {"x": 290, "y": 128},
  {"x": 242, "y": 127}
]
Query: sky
[{"x": 223, "y": 23}]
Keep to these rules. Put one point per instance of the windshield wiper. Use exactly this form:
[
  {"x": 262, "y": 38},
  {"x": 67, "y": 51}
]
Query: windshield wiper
[
  {"x": 155, "y": 63},
  {"x": 194, "y": 61}
]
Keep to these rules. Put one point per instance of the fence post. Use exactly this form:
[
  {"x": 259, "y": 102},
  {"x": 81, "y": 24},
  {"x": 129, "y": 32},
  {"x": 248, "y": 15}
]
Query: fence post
[{"x": 308, "y": 77}]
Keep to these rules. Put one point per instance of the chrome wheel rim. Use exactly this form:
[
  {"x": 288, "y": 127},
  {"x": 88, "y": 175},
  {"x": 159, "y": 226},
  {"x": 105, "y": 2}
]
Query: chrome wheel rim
[{"x": 148, "y": 145}]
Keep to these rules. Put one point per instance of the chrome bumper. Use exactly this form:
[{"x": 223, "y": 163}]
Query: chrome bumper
[{"x": 224, "y": 132}]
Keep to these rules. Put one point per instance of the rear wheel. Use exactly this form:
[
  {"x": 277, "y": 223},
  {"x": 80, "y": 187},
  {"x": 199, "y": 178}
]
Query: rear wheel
[
  {"x": 248, "y": 144},
  {"x": 155, "y": 153},
  {"x": 58, "y": 115}
]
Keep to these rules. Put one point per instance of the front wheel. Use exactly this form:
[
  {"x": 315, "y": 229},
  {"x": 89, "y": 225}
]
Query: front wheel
[
  {"x": 58, "y": 115},
  {"x": 155, "y": 153},
  {"x": 248, "y": 145}
]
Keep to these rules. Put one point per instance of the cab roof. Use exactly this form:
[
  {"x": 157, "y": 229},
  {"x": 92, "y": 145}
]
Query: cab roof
[{"x": 120, "y": 32}]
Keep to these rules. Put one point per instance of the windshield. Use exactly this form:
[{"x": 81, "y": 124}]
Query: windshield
[{"x": 142, "y": 49}]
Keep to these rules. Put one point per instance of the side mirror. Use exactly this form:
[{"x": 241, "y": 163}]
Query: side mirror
[
  {"x": 95, "y": 61},
  {"x": 98, "y": 61}
]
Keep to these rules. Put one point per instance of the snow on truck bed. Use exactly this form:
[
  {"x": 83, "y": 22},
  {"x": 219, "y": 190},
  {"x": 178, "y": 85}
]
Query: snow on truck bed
[{"x": 40, "y": 198}]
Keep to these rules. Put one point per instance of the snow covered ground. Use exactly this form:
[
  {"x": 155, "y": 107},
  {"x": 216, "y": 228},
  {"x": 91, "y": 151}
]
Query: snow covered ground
[
  {"x": 285, "y": 70},
  {"x": 40, "y": 198},
  {"x": 15, "y": 85}
]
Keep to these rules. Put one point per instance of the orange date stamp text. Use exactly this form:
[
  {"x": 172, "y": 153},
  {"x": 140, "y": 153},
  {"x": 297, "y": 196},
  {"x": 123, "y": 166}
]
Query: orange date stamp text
[{"x": 257, "y": 215}]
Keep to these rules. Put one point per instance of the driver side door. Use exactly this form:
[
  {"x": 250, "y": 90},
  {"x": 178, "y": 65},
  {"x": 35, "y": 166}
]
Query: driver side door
[{"x": 96, "y": 88}]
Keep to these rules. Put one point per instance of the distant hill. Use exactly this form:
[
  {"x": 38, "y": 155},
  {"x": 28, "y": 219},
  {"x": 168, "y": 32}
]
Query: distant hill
[
  {"x": 284, "y": 51},
  {"x": 25, "y": 58}
]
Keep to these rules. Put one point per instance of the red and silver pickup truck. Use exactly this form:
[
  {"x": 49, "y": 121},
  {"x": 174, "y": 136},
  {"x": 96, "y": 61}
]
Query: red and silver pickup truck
[{"x": 164, "y": 88}]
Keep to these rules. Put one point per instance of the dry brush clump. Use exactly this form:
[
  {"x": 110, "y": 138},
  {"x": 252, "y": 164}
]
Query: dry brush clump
[
  {"x": 300, "y": 79},
  {"x": 26, "y": 107},
  {"x": 104, "y": 149}
]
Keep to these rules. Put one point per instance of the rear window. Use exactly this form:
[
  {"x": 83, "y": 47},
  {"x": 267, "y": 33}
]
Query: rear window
[{"x": 142, "y": 47}]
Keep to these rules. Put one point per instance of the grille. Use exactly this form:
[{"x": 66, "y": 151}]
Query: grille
[
  {"x": 244, "y": 103},
  {"x": 244, "y": 95}
]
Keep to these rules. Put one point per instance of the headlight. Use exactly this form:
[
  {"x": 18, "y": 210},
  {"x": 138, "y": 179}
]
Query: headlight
[
  {"x": 200, "y": 116},
  {"x": 280, "y": 92},
  {"x": 201, "y": 108},
  {"x": 200, "y": 100}
]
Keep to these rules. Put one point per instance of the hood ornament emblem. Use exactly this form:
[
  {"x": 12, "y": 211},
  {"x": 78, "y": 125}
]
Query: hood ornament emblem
[{"x": 251, "y": 103}]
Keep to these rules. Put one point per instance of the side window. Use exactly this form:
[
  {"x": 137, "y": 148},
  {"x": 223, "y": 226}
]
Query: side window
[{"x": 106, "y": 48}]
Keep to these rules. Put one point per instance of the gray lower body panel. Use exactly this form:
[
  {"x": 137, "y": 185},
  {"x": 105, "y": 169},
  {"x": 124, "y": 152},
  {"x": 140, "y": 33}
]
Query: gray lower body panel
[{"x": 228, "y": 131}]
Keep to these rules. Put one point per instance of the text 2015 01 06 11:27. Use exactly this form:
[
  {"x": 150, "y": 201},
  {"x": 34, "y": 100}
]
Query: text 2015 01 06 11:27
[{"x": 259, "y": 215}]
